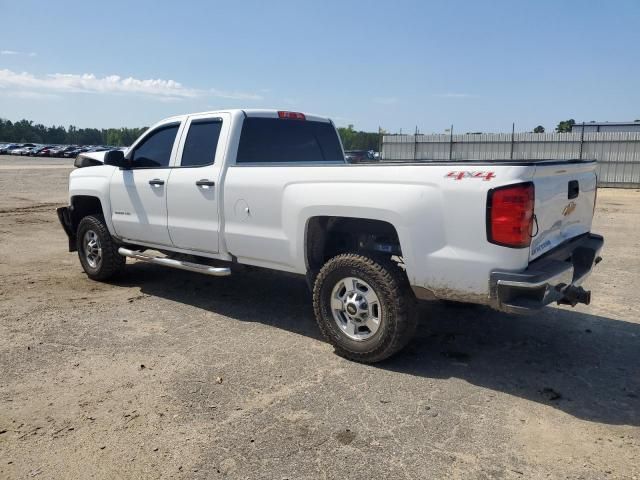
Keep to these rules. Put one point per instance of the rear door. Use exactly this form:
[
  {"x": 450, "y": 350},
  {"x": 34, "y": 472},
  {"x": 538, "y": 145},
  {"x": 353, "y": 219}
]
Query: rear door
[
  {"x": 193, "y": 192},
  {"x": 564, "y": 203}
]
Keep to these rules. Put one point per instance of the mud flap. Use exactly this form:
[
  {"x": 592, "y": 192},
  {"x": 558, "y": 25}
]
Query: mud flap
[{"x": 64, "y": 215}]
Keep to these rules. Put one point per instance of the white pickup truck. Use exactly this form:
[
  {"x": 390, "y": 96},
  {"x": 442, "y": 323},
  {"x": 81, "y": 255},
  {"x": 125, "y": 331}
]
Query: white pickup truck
[{"x": 272, "y": 189}]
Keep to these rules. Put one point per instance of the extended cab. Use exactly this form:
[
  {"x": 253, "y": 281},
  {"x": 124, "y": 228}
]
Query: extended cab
[{"x": 272, "y": 189}]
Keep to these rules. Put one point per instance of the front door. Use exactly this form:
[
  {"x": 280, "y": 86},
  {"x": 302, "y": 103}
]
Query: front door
[
  {"x": 138, "y": 194},
  {"x": 193, "y": 189}
]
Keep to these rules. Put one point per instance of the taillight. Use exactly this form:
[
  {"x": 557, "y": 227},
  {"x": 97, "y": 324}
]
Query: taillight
[
  {"x": 510, "y": 215},
  {"x": 292, "y": 115}
]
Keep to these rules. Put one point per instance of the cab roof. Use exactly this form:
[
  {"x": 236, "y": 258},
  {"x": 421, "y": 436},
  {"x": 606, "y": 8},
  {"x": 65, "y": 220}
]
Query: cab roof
[{"x": 253, "y": 112}]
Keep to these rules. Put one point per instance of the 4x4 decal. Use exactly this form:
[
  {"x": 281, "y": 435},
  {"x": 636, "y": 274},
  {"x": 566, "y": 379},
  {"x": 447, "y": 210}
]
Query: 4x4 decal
[{"x": 460, "y": 175}]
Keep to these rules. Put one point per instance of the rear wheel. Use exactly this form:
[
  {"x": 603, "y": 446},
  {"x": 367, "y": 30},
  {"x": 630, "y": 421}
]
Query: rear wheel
[
  {"x": 97, "y": 251},
  {"x": 363, "y": 307}
]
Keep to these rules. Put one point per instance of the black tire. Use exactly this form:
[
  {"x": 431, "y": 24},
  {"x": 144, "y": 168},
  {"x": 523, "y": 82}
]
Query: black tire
[
  {"x": 111, "y": 262},
  {"x": 397, "y": 320}
]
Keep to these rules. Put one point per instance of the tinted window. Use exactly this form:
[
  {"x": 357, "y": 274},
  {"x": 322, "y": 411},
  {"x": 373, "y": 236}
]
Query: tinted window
[
  {"x": 155, "y": 149},
  {"x": 201, "y": 143},
  {"x": 278, "y": 140}
]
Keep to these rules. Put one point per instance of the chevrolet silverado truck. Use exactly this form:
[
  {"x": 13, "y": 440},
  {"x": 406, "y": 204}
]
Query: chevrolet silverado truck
[{"x": 272, "y": 189}]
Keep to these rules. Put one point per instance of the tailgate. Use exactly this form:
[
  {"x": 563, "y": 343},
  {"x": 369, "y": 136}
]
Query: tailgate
[{"x": 564, "y": 202}]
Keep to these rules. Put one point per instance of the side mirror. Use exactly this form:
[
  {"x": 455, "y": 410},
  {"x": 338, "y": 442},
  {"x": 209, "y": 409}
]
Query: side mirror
[{"x": 115, "y": 158}]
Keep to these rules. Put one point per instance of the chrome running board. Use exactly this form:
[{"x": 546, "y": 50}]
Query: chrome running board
[{"x": 179, "y": 264}]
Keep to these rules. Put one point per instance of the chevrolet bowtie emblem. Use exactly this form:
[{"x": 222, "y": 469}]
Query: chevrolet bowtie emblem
[{"x": 569, "y": 208}]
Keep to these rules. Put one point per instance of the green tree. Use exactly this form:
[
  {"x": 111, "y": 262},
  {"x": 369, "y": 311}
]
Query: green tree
[
  {"x": 56, "y": 135},
  {"x": 538, "y": 129},
  {"x": 565, "y": 126},
  {"x": 358, "y": 140}
]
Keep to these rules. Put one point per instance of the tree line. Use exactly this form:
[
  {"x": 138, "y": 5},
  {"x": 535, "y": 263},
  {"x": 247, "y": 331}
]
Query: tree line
[
  {"x": 565, "y": 126},
  {"x": 25, "y": 131}
]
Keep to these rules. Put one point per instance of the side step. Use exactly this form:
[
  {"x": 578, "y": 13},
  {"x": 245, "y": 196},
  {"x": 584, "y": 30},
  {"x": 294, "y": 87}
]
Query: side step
[{"x": 179, "y": 264}]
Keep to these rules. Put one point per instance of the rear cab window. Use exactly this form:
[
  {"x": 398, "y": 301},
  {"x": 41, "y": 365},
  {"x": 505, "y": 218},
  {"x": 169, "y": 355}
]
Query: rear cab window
[{"x": 275, "y": 140}]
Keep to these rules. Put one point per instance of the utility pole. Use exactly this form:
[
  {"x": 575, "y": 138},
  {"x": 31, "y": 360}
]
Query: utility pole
[{"x": 513, "y": 134}]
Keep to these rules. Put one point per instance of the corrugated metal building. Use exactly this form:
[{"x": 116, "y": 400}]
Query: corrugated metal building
[
  {"x": 594, "y": 127},
  {"x": 617, "y": 153}
]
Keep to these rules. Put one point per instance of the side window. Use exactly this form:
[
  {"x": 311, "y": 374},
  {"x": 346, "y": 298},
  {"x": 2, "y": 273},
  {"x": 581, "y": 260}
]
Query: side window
[
  {"x": 155, "y": 149},
  {"x": 201, "y": 143},
  {"x": 278, "y": 140}
]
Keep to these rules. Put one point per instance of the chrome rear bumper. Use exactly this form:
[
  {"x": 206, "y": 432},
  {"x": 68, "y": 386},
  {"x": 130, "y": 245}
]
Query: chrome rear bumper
[{"x": 555, "y": 277}]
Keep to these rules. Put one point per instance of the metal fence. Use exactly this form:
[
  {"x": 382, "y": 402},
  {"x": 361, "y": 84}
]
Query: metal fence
[{"x": 617, "y": 153}]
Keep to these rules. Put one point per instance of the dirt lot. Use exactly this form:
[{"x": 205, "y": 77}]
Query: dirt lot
[{"x": 171, "y": 374}]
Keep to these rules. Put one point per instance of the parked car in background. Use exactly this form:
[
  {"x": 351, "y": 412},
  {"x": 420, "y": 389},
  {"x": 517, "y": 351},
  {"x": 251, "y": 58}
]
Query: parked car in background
[
  {"x": 24, "y": 150},
  {"x": 46, "y": 151},
  {"x": 37, "y": 151},
  {"x": 74, "y": 152},
  {"x": 98, "y": 148},
  {"x": 355, "y": 156},
  {"x": 9, "y": 147},
  {"x": 60, "y": 151}
]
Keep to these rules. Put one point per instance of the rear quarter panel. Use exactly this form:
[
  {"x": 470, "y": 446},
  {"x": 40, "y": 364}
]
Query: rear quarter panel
[{"x": 440, "y": 220}]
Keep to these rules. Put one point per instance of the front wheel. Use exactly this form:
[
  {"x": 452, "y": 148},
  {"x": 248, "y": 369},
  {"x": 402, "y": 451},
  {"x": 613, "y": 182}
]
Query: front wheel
[
  {"x": 98, "y": 252},
  {"x": 363, "y": 307}
]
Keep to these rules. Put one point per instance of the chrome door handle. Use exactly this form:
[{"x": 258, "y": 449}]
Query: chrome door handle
[
  {"x": 156, "y": 182},
  {"x": 205, "y": 183}
]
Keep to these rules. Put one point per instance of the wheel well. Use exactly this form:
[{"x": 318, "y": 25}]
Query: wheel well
[
  {"x": 328, "y": 236},
  {"x": 83, "y": 205}
]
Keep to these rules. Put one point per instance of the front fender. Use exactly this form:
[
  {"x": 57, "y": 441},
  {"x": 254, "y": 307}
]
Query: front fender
[{"x": 94, "y": 182}]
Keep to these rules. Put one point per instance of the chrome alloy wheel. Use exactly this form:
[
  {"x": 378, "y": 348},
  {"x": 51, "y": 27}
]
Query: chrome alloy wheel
[
  {"x": 356, "y": 308},
  {"x": 92, "y": 249}
]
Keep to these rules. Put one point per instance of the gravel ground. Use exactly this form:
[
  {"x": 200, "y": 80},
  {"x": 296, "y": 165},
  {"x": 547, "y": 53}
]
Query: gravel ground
[{"x": 170, "y": 374}]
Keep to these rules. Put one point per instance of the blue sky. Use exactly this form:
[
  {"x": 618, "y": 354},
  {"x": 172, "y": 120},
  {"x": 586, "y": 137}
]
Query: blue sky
[{"x": 477, "y": 65}]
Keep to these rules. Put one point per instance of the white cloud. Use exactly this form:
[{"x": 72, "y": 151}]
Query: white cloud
[
  {"x": 385, "y": 100},
  {"x": 14, "y": 52},
  {"x": 89, "y": 83},
  {"x": 111, "y": 84}
]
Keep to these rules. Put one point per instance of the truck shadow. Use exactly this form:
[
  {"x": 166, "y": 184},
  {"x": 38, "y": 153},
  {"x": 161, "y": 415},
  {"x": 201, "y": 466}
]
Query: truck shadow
[{"x": 585, "y": 365}]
